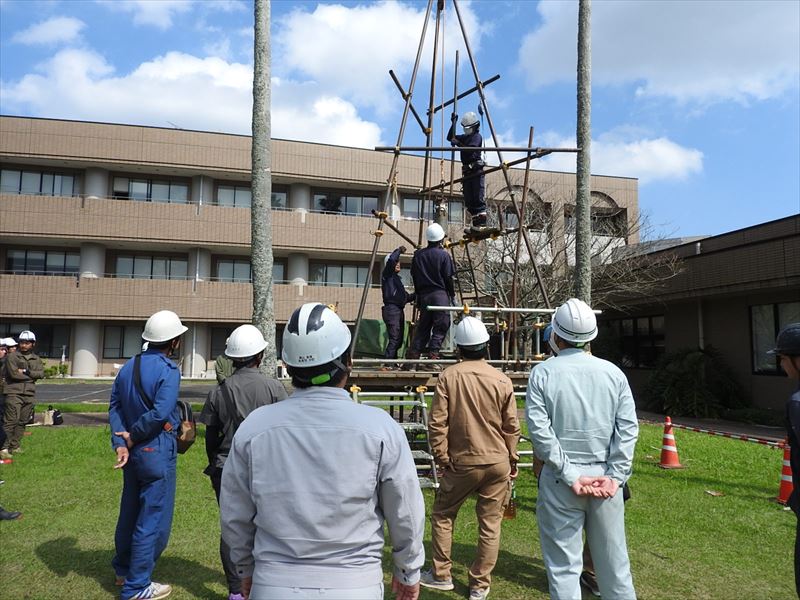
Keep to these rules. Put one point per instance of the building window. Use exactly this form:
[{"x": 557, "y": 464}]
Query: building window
[
  {"x": 241, "y": 196},
  {"x": 766, "y": 320},
  {"x": 219, "y": 335},
  {"x": 42, "y": 262},
  {"x": 122, "y": 341},
  {"x": 37, "y": 183},
  {"x": 51, "y": 340},
  {"x": 411, "y": 210},
  {"x": 337, "y": 275},
  {"x": 150, "y": 267},
  {"x": 148, "y": 190},
  {"x": 233, "y": 270},
  {"x": 641, "y": 340},
  {"x": 359, "y": 204}
]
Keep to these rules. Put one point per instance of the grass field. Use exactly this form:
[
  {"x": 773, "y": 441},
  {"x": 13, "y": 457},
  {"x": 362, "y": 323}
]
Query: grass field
[{"x": 683, "y": 542}]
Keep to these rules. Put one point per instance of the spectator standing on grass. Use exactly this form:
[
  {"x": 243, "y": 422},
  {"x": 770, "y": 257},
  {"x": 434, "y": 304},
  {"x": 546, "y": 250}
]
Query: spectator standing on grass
[
  {"x": 223, "y": 366},
  {"x": 226, "y": 407},
  {"x": 787, "y": 347},
  {"x": 395, "y": 298},
  {"x": 582, "y": 422},
  {"x": 5, "y": 347},
  {"x": 474, "y": 433},
  {"x": 21, "y": 370},
  {"x": 309, "y": 482},
  {"x": 144, "y": 438}
]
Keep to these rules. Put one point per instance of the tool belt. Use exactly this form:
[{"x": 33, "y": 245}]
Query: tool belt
[{"x": 473, "y": 166}]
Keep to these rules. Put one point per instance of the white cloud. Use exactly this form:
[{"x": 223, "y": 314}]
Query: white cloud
[
  {"x": 691, "y": 51},
  {"x": 617, "y": 153},
  {"x": 208, "y": 94},
  {"x": 157, "y": 13},
  {"x": 351, "y": 49},
  {"x": 58, "y": 30}
]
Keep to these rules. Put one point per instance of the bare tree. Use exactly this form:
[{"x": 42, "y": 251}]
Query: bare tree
[
  {"x": 260, "y": 211},
  {"x": 583, "y": 227}
]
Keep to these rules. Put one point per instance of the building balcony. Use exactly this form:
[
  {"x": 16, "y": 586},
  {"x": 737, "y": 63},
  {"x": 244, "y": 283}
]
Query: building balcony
[
  {"x": 48, "y": 297},
  {"x": 107, "y": 221}
]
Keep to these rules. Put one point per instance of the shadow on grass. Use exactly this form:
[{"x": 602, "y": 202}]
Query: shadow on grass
[
  {"x": 62, "y": 556},
  {"x": 523, "y": 571}
]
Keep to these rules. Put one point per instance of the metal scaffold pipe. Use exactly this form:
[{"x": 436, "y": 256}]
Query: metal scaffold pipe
[{"x": 527, "y": 149}]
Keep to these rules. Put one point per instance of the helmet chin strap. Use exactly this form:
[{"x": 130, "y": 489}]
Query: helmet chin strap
[{"x": 553, "y": 346}]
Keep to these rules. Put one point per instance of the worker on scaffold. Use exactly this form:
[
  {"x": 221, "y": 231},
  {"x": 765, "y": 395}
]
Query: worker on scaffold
[
  {"x": 471, "y": 166},
  {"x": 432, "y": 270},
  {"x": 395, "y": 298}
]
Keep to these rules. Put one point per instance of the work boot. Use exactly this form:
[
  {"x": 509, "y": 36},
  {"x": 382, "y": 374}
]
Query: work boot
[
  {"x": 589, "y": 581},
  {"x": 413, "y": 355},
  {"x": 5, "y": 454},
  {"x": 479, "y": 222},
  {"x": 7, "y": 515},
  {"x": 435, "y": 366}
]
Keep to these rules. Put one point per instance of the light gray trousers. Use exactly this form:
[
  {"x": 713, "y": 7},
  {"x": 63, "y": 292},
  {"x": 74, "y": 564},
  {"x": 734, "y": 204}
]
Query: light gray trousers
[
  {"x": 562, "y": 517},
  {"x": 269, "y": 592}
]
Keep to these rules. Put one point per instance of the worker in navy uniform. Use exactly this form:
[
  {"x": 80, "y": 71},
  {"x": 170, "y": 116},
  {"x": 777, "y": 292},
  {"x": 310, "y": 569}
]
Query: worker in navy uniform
[
  {"x": 395, "y": 298},
  {"x": 787, "y": 347},
  {"x": 432, "y": 270},
  {"x": 227, "y": 405},
  {"x": 144, "y": 438},
  {"x": 471, "y": 166}
]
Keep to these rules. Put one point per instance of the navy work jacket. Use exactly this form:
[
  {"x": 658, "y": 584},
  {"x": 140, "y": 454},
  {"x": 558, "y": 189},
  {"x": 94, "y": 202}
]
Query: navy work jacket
[
  {"x": 432, "y": 269},
  {"x": 392, "y": 285}
]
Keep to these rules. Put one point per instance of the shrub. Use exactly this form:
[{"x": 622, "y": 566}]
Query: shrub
[{"x": 694, "y": 383}]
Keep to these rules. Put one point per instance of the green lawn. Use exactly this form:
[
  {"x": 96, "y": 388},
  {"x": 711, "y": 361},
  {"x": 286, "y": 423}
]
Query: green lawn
[{"x": 684, "y": 543}]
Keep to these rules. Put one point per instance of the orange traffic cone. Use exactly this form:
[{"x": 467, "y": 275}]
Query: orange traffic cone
[
  {"x": 669, "y": 451},
  {"x": 786, "y": 477}
]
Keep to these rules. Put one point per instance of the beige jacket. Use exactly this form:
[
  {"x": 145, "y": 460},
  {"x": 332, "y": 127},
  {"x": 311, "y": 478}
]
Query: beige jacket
[{"x": 473, "y": 419}]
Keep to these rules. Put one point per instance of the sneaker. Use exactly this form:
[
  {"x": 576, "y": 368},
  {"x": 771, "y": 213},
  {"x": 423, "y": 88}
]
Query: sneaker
[
  {"x": 479, "y": 593},
  {"x": 426, "y": 579},
  {"x": 18, "y": 451},
  {"x": 5, "y": 454},
  {"x": 589, "y": 581},
  {"x": 9, "y": 515},
  {"x": 154, "y": 591},
  {"x": 479, "y": 221},
  {"x": 235, "y": 596}
]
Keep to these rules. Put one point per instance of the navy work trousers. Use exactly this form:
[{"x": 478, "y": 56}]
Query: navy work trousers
[
  {"x": 395, "y": 325},
  {"x": 145, "y": 511},
  {"x": 432, "y": 325},
  {"x": 473, "y": 187},
  {"x": 234, "y": 583}
]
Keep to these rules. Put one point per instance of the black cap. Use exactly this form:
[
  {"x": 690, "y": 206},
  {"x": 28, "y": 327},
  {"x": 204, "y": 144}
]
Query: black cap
[{"x": 788, "y": 341}]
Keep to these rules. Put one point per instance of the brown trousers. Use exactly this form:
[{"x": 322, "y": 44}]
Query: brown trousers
[
  {"x": 493, "y": 487},
  {"x": 17, "y": 414}
]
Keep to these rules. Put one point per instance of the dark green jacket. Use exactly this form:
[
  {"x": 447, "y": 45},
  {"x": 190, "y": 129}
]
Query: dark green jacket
[{"x": 22, "y": 384}]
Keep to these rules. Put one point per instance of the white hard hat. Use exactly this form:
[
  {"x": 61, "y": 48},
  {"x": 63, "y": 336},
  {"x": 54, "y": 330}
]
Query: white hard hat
[
  {"x": 162, "y": 327},
  {"x": 244, "y": 342},
  {"x": 26, "y": 336},
  {"x": 434, "y": 233},
  {"x": 145, "y": 346},
  {"x": 9, "y": 341},
  {"x": 314, "y": 335},
  {"x": 469, "y": 119},
  {"x": 471, "y": 332},
  {"x": 575, "y": 322}
]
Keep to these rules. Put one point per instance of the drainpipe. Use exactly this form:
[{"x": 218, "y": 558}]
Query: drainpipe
[{"x": 194, "y": 347}]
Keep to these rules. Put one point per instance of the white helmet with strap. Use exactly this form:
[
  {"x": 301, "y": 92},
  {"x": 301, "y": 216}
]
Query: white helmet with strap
[
  {"x": 313, "y": 337},
  {"x": 469, "y": 119},
  {"x": 245, "y": 342},
  {"x": 575, "y": 322},
  {"x": 434, "y": 233},
  {"x": 471, "y": 333},
  {"x": 163, "y": 326}
]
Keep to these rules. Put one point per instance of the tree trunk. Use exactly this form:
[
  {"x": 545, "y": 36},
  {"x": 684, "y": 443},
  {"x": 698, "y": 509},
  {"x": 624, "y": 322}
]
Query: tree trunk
[
  {"x": 583, "y": 203},
  {"x": 260, "y": 211}
]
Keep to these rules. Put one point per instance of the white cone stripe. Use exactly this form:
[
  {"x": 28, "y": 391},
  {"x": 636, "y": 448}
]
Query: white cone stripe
[
  {"x": 786, "y": 463},
  {"x": 669, "y": 436},
  {"x": 786, "y": 477},
  {"x": 670, "y": 449}
]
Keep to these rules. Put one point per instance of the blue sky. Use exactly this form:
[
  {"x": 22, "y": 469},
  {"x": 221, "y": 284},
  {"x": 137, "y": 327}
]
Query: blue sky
[{"x": 698, "y": 100}]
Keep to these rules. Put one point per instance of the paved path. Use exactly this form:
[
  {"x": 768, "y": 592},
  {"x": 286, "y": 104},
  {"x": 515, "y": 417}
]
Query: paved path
[{"x": 49, "y": 393}]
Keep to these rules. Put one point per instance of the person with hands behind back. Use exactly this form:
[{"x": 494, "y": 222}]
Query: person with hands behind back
[
  {"x": 582, "y": 422},
  {"x": 144, "y": 439}
]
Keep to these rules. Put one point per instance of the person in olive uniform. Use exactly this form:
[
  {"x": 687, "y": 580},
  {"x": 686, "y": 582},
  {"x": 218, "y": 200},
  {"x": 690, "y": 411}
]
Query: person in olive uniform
[{"x": 21, "y": 370}]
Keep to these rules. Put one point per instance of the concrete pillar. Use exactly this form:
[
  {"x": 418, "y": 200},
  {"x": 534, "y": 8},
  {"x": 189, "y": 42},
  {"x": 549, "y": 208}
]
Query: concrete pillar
[
  {"x": 196, "y": 350},
  {"x": 297, "y": 269},
  {"x": 86, "y": 349},
  {"x": 96, "y": 183},
  {"x": 93, "y": 260},
  {"x": 299, "y": 196},
  {"x": 202, "y": 189},
  {"x": 199, "y": 264}
]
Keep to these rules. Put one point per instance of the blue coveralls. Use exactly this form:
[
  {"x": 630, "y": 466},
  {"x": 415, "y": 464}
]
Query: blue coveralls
[
  {"x": 432, "y": 271},
  {"x": 793, "y": 434},
  {"x": 395, "y": 298},
  {"x": 582, "y": 421},
  {"x": 471, "y": 169},
  {"x": 148, "y": 492}
]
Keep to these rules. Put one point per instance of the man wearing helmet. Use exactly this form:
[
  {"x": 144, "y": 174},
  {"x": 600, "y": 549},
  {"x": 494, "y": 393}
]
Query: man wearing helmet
[
  {"x": 309, "y": 482},
  {"x": 144, "y": 419},
  {"x": 787, "y": 347},
  {"x": 22, "y": 369},
  {"x": 471, "y": 166},
  {"x": 395, "y": 298},
  {"x": 227, "y": 405},
  {"x": 473, "y": 434},
  {"x": 582, "y": 422},
  {"x": 432, "y": 271}
]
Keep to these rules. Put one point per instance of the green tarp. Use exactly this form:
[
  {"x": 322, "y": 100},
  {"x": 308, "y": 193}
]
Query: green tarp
[{"x": 372, "y": 339}]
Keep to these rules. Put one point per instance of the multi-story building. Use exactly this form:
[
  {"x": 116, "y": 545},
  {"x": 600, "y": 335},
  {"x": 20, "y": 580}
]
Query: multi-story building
[{"x": 101, "y": 225}]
